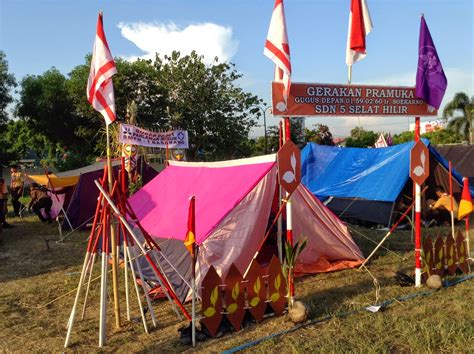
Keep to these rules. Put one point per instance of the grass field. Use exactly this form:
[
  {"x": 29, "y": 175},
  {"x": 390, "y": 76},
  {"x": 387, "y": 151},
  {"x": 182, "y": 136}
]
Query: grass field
[{"x": 31, "y": 275}]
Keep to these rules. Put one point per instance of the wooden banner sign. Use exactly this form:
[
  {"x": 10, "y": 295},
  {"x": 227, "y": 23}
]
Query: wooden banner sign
[
  {"x": 428, "y": 257},
  {"x": 256, "y": 292},
  {"x": 276, "y": 286},
  {"x": 419, "y": 163},
  {"x": 451, "y": 258},
  {"x": 289, "y": 166},
  {"x": 234, "y": 297},
  {"x": 211, "y": 301},
  {"x": 439, "y": 256},
  {"x": 463, "y": 261},
  {"x": 314, "y": 99}
]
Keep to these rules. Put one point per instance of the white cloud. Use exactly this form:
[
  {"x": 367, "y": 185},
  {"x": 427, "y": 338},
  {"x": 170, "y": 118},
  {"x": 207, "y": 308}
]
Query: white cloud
[{"x": 207, "y": 39}]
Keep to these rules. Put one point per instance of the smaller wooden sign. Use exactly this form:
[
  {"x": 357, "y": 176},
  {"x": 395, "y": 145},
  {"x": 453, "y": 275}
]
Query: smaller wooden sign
[
  {"x": 234, "y": 297},
  {"x": 439, "y": 257},
  {"x": 428, "y": 258},
  {"x": 276, "y": 286},
  {"x": 211, "y": 301},
  {"x": 451, "y": 257},
  {"x": 463, "y": 261},
  {"x": 256, "y": 292}
]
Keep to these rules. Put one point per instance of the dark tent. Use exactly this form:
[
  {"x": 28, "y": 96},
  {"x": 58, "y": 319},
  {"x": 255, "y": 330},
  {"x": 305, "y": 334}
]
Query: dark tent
[
  {"x": 366, "y": 184},
  {"x": 462, "y": 158},
  {"x": 83, "y": 202}
]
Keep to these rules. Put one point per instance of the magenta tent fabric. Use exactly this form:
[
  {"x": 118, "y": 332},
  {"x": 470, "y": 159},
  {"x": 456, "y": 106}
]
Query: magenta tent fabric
[
  {"x": 162, "y": 205},
  {"x": 233, "y": 204}
]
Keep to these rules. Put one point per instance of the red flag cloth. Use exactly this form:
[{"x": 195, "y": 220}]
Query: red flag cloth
[
  {"x": 465, "y": 206},
  {"x": 190, "y": 239},
  {"x": 360, "y": 25},
  {"x": 100, "y": 89},
  {"x": 277, "y": 48}
]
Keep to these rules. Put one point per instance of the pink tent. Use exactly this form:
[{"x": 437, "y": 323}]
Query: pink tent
[{"x": 233, "y": 205}]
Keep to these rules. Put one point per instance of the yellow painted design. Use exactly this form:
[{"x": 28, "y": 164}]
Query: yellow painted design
[
  {"x": 232, "y": 308},
  {"x": 255, "y": 301}
]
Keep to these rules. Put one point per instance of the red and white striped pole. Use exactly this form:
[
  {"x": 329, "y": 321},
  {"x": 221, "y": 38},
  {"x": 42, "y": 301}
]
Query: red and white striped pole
[
  {"x": 417, "y": 218},
  {"x": 289, "y": 213}
]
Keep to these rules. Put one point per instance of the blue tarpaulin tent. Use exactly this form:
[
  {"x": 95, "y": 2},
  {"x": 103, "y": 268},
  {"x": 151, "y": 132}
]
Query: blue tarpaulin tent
[{"x": 366, "y": 183}]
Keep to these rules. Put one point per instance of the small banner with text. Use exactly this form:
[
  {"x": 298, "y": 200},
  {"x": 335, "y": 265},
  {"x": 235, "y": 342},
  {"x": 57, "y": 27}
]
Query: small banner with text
[{"x": 175, "y": 139}]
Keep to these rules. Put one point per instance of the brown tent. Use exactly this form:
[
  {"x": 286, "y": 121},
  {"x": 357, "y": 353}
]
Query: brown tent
[{"x": 462, "y": 158}]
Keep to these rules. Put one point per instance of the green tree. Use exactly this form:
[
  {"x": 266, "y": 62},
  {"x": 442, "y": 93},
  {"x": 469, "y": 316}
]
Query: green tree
[
  {"x": 460, "y": 111},
  {"x": 437, "y": 137},
  {"x": 319, "y": 135},
  {"x": 403, "y": 137},
  {"x": 7, "y": 82},
  {"x": 47, "y": 108},
  {"x": 361, "y": 138},
  {"x": 21, "y": 138},
  {"x": 206, "y": 101}
]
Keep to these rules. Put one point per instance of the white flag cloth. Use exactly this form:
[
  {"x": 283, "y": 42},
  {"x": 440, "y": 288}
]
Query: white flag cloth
[
  {"x": 277, "y": 48},
  {"x": 100, "y": 89},
  {"x": 381, "y": 142},
  {"x": 360, "y": 25}
]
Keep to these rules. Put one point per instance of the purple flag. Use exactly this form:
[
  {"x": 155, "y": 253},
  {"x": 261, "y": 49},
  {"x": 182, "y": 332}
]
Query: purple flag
[
  {"x": 431, "y": 82},
  {"x": 389, "y": 140}
]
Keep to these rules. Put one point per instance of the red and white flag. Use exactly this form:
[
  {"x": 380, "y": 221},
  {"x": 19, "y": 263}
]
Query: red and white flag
[
  {"x": 100, "y": 89},
  {"x": 277, "y": 48},
  {"x": 381, "y": 142},
  {"x": 360, "y": 25}
]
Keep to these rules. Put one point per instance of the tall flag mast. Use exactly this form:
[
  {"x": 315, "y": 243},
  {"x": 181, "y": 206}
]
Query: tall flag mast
[{"x": 100, "y": 93}]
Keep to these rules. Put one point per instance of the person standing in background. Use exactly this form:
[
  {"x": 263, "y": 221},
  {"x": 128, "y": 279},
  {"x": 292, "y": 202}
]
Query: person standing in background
[
  {"x": 3, "y": 203},
  {"x": 16, "y": 188}
]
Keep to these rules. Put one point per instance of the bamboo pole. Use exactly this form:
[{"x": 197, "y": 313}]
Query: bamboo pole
[
  {"x": 142, "y": 281},
  {"x": 137, "y": 291},
  {"x": 142, "y": 249},
  {"x": 83, "y": 272},
  {"x": 103, "y": 282},
  {"x": 76, "y": 300},
  {"x": 112, "y": 237}
]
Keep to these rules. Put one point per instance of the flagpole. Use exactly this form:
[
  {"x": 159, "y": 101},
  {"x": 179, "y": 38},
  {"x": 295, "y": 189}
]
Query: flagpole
[
  {"x": 451, "y": 197},
  {"x": 349, "y": 74},
  {"x": 193, "y": 285},
  {"x": 469, "y": 259},
  {"x": 417, "y": 217},
  {"x": 112, "y": 236}
]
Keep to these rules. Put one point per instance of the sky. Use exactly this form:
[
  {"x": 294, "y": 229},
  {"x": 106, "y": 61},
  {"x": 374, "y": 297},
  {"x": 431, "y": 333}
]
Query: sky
[{"x": 37, "y": 35}]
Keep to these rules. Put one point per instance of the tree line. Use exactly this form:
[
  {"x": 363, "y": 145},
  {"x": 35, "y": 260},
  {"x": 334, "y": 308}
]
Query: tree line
[{"x": 53, "y": 118}]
